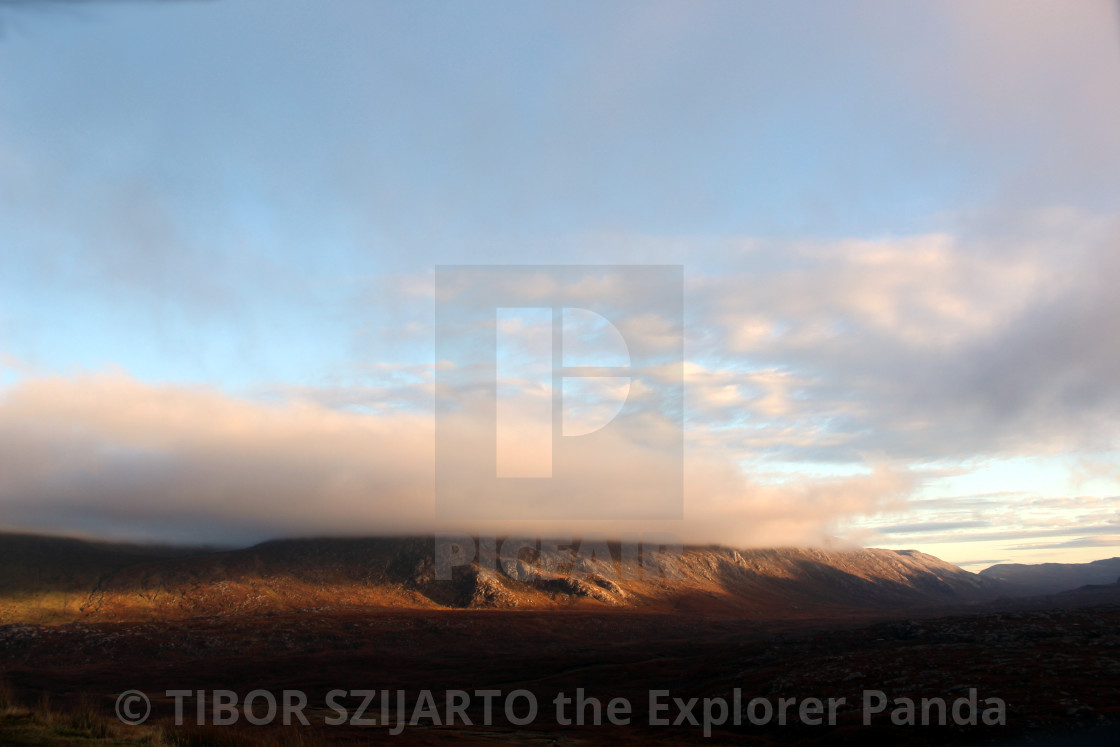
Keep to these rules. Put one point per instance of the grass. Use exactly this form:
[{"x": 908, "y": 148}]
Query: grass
[
  {"x": 215, "y": 737},
  {"x": 41, "y": 607},
  {"x": 84, "y": 725}
]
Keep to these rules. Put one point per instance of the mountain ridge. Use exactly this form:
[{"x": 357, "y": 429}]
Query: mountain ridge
[
  {"x": 137, "y": 582},
  {"x": 1052, "y": 578}
]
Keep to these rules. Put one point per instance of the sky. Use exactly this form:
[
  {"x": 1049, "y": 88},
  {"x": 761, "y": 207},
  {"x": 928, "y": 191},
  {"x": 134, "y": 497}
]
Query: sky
[{"x": 898, "y": 224}]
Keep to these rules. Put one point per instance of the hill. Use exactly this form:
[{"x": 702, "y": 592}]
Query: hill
[
  {"x": 47, "y": 578},
  {"x": 51, "y": 580},
  {"x": 1051, "y": 578}
]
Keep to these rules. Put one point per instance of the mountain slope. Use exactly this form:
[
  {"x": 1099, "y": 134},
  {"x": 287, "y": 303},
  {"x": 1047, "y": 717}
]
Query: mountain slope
[
  {"x": 49, "y": 578},
  {"x": 35, "y": 561},
  {"x": 1050, "y": 578},
  {"x": 400, "y": 573}
]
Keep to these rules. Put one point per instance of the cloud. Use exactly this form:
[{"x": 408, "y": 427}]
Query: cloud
[
  {"x": 877, "y": 365},
  {"x": 931, "y": 526},
  {"x": 924, "y": 347},
  {"x": 218, "y": 218},
  {"x": 1068, "y": 528},
  {"x": 109, "y": 455},
  {"x": 142, "y": 457},
  {"x": 1112, "y": 541}
]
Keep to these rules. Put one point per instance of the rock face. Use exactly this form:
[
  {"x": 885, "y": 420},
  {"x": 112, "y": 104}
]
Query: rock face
[
  {"x": 1051, "y": 578},
  {"x": 401, "y": 573}
]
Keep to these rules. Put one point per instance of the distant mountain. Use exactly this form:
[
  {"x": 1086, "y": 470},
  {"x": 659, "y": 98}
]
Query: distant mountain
[
  {"x": 48, "y": 578},
  {"x": 31, "y": 562},
  {"x": 1050, "y": 578},
  {"x": 52, "y": 580}
]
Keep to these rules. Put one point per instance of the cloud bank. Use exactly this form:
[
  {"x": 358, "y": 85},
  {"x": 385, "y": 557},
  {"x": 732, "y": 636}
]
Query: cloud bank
[
  {"x": 899, "y": 239},
  {"x": 825, "y": 382},
  {"x": 111, "y": 455}
]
